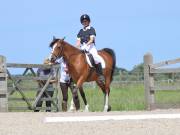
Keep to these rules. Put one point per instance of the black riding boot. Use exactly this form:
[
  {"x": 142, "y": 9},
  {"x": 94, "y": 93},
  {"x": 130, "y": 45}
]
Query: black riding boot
[{"x": 99, "y": 71}]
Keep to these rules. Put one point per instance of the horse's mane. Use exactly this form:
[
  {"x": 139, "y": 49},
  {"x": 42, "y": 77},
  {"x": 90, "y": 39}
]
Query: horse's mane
[
  {"x": 71, "y": 45},
  {"x": 64, "y": 42}
]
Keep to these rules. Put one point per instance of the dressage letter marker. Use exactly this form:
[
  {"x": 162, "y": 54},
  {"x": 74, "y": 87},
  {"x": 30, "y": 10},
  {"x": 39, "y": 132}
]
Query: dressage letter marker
[{"x": 110, "y": 117}]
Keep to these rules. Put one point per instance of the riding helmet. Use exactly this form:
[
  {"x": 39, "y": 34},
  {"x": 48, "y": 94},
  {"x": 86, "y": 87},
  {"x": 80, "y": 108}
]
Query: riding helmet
[{"x": 85, "y": 16}]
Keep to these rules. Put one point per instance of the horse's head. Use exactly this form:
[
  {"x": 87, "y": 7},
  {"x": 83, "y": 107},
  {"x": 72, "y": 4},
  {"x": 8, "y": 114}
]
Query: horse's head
[{"x": 57, "y": 49}]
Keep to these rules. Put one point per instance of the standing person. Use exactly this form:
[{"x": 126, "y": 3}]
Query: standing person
[
  {"x": 65, "y": 83},
  {"x": 86, "y": 41},
  {"x": 50, "y": 90}
]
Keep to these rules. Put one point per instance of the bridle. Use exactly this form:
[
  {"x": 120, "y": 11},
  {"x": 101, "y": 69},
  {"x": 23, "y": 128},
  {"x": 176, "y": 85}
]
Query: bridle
[{"x": 59, "y": 55}]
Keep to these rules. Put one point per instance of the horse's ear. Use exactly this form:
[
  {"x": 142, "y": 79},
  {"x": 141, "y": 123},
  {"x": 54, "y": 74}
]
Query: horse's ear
[
  {"x": 54, "y": 38},
  {"x": 63, "y": 38}
]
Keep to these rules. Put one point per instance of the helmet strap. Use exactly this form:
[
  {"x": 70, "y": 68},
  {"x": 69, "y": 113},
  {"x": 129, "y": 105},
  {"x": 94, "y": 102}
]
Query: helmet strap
[{"x": 86, "y": 27}]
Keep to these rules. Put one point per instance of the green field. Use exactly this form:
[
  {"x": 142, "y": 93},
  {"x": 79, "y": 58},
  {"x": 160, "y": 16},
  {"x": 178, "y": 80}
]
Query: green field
[{"x": 122, "y": 98}]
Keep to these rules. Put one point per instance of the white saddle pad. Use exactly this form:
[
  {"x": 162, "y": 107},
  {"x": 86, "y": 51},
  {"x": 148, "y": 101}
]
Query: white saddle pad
[{"x": 101, "y": 60}]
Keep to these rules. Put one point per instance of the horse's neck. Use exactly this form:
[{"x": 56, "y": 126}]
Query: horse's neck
[{"x": 69, "y": 51}]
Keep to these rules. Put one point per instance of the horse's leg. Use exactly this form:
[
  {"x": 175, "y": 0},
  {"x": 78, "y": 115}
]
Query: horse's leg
[
  {"x": 72, "y": 106},
  {"x": 106, "y": 90},
  {"x": 84, "y": 99},
  {"x": 74, "y": 90},
  {"x": 107, "y": 107},
  {"x": 102, "y": 86},
  {"x": 75, "y": 100},
  {"x": 79, "y": 83}
]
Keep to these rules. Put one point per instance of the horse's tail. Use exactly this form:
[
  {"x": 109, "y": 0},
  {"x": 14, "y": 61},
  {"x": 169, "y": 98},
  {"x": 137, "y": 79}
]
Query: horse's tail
[{"x": 112, "y": 53}]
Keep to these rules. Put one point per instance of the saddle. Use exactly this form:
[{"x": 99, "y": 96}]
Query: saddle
[{"x": 90, "y": 60}]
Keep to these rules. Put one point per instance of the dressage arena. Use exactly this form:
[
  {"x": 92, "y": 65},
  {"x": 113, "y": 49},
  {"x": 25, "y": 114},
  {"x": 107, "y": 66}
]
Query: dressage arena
[
  {"x": 159, "y": 122},
  {"x": 151, "y": 122}
]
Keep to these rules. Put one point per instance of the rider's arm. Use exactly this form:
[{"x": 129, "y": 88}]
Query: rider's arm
[
  {"x": 78, "y": 42},
  {"x": 92, "y": 34},
  {"x": 91, "y": 40}
]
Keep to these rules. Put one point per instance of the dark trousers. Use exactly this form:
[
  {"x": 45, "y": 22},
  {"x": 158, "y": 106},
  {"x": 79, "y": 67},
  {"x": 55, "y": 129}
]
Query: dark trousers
[
  {"x": 48, "y": 103},
  {"x": 64, "y": 88}
]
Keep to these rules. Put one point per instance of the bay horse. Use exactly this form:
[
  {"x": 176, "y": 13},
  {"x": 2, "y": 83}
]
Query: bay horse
[{"x": 79, "y": 69}]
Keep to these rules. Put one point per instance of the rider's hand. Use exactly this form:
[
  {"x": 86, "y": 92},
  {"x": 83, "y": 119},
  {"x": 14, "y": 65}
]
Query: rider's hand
[
  {"x": 78, "y": 47},
  {"x": 84, "y": 47},
  {"x": 87, "y": 48}
]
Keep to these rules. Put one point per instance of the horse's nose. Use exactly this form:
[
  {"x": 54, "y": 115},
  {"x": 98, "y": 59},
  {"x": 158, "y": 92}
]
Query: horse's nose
[{"x": 52, "y": 59}]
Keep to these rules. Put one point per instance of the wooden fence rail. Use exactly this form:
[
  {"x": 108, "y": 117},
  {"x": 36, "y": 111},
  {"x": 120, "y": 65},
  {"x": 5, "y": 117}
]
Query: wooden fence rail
[
  {"x": 5, "y": 90},
  {"x": 150, "y": 70}
]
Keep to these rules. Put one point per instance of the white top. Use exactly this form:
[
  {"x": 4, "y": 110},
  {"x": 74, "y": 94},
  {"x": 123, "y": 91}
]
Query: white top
[{"x": 64, "y": 77}]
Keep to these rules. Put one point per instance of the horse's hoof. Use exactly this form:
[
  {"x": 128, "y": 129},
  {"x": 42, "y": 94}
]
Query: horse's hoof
[
  {"x": 105, "y": 108},
  {"x": 86, "y": 108},
  {"x": 109, "y": 108},
  {"x": 72, "y": 109}
]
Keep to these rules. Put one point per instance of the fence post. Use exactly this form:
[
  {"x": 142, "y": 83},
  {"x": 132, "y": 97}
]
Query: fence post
[
  {"x": 3, "y": 85},
  {"x": 148, "y": 82}
]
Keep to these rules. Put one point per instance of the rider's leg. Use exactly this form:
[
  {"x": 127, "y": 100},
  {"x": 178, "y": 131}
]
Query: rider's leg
[
  {"x": 64, "y": 89},
  {"x": 98, "y": 65}
]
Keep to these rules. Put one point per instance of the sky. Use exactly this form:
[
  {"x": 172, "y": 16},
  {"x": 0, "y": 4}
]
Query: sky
[{"x": 130, "y": 27}]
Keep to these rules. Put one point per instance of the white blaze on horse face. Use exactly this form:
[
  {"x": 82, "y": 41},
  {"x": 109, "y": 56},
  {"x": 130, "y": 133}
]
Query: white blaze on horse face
[{"x": 54, "y": 46}]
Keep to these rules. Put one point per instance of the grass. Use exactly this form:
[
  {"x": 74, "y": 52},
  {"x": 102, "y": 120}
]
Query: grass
[
  {"x": 168, "y": 96},
  {"x": 129, "y": 98},
  {"x": 123, "y": 98}
]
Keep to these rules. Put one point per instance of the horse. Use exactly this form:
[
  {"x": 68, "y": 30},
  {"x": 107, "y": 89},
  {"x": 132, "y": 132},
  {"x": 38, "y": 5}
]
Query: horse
[{"x": 80, "y": 70}]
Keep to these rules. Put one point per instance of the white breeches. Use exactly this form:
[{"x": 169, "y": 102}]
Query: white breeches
[{"x": 92, "y": 49}]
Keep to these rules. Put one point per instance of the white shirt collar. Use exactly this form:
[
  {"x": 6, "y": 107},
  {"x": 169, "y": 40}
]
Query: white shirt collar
[{"x": 86, "y": 28}]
